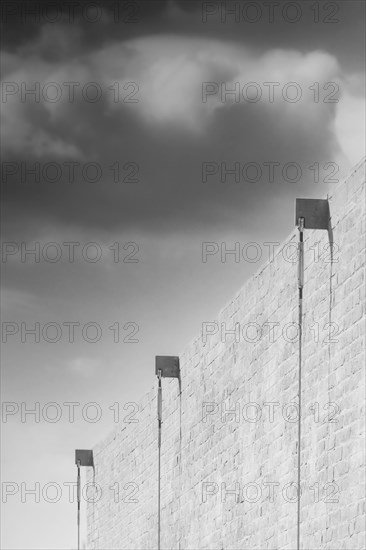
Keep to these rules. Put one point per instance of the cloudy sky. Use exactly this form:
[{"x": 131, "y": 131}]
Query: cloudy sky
[{"x": 121, "y": 122}]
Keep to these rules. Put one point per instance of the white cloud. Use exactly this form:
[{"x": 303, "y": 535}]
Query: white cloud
[
  {"x": 169, "y": 72},
  {"x": 350, "y": 118}
]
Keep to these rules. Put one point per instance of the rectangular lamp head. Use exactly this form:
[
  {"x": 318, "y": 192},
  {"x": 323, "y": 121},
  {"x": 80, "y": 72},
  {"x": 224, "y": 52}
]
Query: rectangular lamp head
[
  {"x": 168, "y": 364},
  {"x": 85, "y": 457},
  {"x": 314, "y": 211}
]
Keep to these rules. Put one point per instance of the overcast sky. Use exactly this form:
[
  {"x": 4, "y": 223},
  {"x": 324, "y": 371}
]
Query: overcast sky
[{"x": 132, "y": 125}]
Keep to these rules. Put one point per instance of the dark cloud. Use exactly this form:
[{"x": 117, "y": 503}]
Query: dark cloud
[
  {"x": 335, "y": 26},
  {"x": 168, "y": 134},
  {"x": 99, "y": 21},
  {"x": 170, "y": 192}
]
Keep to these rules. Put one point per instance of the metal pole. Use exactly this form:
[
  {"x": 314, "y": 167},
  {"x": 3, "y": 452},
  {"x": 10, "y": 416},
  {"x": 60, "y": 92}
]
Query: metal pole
[
  {"x": 301, "y": 285},
  {"x": 78, "y": 499},
  {"x": 160, "y": 399}
]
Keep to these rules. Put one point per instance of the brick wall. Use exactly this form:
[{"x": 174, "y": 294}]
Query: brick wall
[{"x": 228, "y": 481}]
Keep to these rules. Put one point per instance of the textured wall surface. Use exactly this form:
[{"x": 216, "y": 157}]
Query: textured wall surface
[{"x": 230, "y": 438}]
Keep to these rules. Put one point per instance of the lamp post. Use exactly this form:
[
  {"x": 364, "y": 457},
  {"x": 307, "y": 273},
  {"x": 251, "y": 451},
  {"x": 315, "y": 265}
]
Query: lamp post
[
  {"x": 310, "y": 214},
  {"x": 166, "y": 366},
  {"x": 82, "y": 458}
]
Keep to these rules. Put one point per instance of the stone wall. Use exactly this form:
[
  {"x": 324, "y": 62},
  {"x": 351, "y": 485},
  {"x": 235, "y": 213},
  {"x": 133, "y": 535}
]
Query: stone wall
[{"x": 230, "y": 438}]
